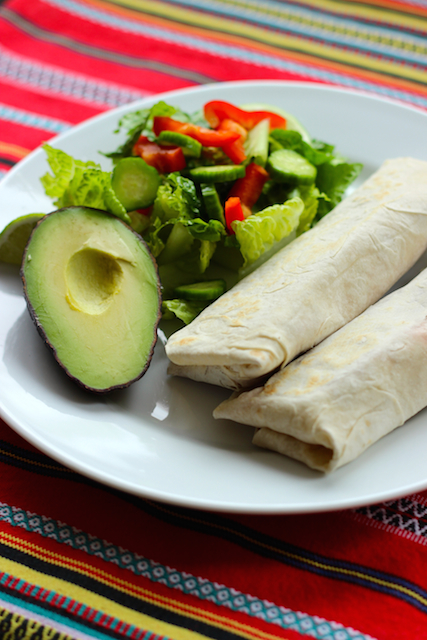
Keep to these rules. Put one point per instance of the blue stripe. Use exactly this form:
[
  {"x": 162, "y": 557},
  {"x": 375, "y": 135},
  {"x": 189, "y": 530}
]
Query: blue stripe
[
  {"x": 56, "y": 81},
  {"x": 186, "y": 583},
  {"x": 236, "y": 53},
  {"x": 29, "y": 119},
  {"x": 51, "y": 616},
  {"x": 321, "y": 32}
]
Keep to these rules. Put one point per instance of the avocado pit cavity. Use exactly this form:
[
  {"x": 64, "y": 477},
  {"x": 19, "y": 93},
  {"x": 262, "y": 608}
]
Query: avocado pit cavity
[{"x": 93, "y": 278}]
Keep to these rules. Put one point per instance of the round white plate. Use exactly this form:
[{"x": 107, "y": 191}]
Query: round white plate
[{"x": 158, "y": 439}]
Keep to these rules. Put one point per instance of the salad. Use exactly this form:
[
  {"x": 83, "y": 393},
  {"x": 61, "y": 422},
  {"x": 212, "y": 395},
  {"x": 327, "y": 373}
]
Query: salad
[{"x": 213, "y": 194}]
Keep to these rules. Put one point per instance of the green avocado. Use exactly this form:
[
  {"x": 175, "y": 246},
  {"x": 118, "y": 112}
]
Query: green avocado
[{"x": 93, "y": 292}]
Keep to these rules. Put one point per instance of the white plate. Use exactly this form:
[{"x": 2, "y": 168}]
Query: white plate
[{"x": 157, "y": 439}]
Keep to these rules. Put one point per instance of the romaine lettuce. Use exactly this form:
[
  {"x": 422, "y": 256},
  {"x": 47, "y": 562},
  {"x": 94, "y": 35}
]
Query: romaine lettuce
[{"x": 260, "y": 231}]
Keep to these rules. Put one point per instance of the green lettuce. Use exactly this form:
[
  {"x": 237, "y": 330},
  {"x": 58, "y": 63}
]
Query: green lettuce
[
  {"x": 140, "y": 123},
  {"x": 184, "y": 310},
  {"x": 258, "y": 233},
  {"x": 334, "y": 173},
  {"x": 176, "y": 231},
  {"x": 73, "y": 182}
]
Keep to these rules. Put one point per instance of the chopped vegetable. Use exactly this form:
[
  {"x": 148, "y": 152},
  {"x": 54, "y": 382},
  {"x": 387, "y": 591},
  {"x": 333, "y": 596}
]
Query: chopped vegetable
[
  {"x": 249, "y": 188},
  {"x": 234, "y": 150},
  {"x": 233, "y": 212},
  {"x": 217, "y": 110},
  {"x": 206, "y": 137},
  {"x": 213, "y": 197},
  {"x": 166, "y": 159},
  {"x": 206, "y": 290}
]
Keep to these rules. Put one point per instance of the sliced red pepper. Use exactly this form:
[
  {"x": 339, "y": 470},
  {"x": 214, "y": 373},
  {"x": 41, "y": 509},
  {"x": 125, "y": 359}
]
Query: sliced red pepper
[
  {"x": 233, "y": 210},
  {"x": 217, "y": 110},
  {"x": 206, "y": 137},
  {"x": 234, "y": 150},
  {"x": 166, "y": 159},
  {"x": 249, "y": 188},
  {"x": 147, "y": 211}
]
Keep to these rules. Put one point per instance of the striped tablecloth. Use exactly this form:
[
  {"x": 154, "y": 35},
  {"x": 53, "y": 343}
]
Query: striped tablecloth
[{"x": 80, "y": 560}]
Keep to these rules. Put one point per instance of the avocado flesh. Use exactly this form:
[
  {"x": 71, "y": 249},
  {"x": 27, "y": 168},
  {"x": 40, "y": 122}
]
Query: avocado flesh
[{"x": 93, "y": 291}]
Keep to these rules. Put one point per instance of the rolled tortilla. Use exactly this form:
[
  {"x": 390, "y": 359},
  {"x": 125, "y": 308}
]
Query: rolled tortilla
[
  {"x": 313, "y": 286},
  {"x": 330, "y": 404}
]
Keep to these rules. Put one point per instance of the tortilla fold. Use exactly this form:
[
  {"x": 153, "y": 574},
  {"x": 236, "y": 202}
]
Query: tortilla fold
[
  {"x": 330, "y": 404},
  {"x": 313, "y": 286}
]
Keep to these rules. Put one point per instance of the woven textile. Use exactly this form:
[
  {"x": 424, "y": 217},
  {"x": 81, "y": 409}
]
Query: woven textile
[
  {"x": 91, "y": 562},
  {"x": 79, "y": 560},
  {"x": 62, "y": 61}
]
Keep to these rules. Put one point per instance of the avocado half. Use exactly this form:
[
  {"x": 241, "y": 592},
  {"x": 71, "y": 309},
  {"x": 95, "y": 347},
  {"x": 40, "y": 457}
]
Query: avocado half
[{"x": 93, "y": 292}]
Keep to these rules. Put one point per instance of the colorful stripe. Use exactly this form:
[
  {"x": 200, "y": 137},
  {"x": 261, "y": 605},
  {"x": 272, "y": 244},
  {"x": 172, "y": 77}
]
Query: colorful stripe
[
  {"x": 15, "y": 627},
  {"x": 28, "y": 119},
  {"x": 58, "y": 82},
  {"x": 185, "y": 583},
  {"x": 405, "y": 517},
  {"x": 261, "y": 544},
  {"x": 270, "y": 50}
]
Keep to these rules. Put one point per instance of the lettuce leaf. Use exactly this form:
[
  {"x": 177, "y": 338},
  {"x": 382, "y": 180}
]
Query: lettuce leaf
[
  {"x": 140, "y": 123},
  {"x": 260, "y": 231},
  {"x": 334, "y": 173},
  {"x": 176, "y": 198},
  {"x": 332, "y": 180},
  {"x": 185, "y": 310},
  {"x": 74, "y": 182}
]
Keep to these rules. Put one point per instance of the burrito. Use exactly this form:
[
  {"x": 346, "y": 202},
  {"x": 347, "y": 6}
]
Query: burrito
[
  {"x": 330, "y": 404},
  {"x": 313, "y": 286}
]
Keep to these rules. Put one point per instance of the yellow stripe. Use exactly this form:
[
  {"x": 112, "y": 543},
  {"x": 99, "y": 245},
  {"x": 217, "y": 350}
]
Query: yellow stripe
[
  {"x": 13, "y": 150},
  {"x": 136, "y": 591},
  {"x": 279, "y": 41},
  {"x": 314, "y": 563},
  {"x": 28, "y": 460},
  {"x": 385, "y": 15},
  {"x": 15, "y": 627},
  {"x": 100, "y": 603},
  {"x": 353, "y": 10}
]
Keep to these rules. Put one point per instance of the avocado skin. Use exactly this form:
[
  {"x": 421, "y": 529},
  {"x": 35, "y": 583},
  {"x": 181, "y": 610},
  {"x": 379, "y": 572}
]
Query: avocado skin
[{"x": 39, "y": 325}]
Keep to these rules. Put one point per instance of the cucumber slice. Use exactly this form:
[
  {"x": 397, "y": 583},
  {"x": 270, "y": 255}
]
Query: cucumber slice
[
  {"x": 256, "y": 144},
  {"x": 135, "y": 183},
  {"x": 291, "y": 122},
  {"x": 213, "y": 207},
  {"x": 178, "y": 244},
  {"x": 190, "y": 146},
  {"x": 207, "y": 290},
  {"x": 217, "y": 173},
  {"x": 288, "y": 166}
]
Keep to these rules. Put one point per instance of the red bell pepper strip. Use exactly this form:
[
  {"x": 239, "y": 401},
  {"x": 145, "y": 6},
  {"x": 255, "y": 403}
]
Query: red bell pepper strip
[
  {"x": 147, "y": 211},
  {"x": 249, "y": 188},
  {"x": 233, "y": 210},
  {"x": 217, "y": 110},
  {"x": 206, "y": 137},
  {"x": 234, "y": 150},
  {"x": 166, "y": 159}
]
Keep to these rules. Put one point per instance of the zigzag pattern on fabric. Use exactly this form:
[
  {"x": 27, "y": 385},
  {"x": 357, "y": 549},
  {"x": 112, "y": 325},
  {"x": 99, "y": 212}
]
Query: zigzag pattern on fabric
[{"x": 185, "y": 583}]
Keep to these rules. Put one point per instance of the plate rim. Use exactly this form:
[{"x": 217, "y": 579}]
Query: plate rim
[{"x": 161, "y": 496}]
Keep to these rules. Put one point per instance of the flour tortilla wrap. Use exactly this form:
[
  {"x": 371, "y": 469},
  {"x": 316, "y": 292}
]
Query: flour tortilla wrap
[
  {"x": 313, "y": 286},
  {"x": 327, "y": 406}
]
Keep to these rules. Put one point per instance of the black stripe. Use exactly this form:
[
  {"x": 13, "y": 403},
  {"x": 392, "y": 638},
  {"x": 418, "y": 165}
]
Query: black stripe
[
  {"x": 7, "y": 161},
  {"x": 289, "y": 554},
  {"x": 217, "y": 525},
  {"x": 320, "y": 13},
  {"x": 317, "y": 22},
  {"x": 124, "y": 599},
  {"x": 103, "y": 54}
]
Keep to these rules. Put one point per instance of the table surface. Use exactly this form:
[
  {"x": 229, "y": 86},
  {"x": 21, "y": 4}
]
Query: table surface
[{"x": 81, "y": 560}]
